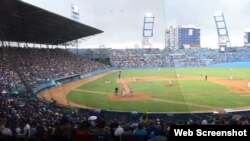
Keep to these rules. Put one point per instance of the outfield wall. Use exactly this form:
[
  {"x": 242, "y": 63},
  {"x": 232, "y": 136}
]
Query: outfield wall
[
  {"x": 229, "y": 64},
  {"x": 233, "y": 64}
]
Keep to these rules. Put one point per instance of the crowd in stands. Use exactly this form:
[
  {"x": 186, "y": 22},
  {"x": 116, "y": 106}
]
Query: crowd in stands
[
  {"x": 139, "y": 58},
  {"x": 179, "y": 58},
  {"x": 24, "y": 119},
  {"x": 166, "y": 58},
  {"x": 40, "y": 65},
  {"x": 8, "y": 78}
]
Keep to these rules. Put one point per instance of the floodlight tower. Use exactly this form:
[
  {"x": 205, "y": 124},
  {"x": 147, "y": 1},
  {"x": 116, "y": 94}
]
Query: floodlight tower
[
  {"x": 148, "y": 30},
  {"x": 75, "y": 16},
  {"x": 223, "y": 37},
  {"x": 75, "y": 12}
]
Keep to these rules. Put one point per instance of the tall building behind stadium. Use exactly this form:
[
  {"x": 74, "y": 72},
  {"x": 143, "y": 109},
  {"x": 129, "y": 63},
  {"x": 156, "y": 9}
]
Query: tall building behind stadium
[
  {"x": 180, "y": 37},
  {"x": 247, "y": 38}
]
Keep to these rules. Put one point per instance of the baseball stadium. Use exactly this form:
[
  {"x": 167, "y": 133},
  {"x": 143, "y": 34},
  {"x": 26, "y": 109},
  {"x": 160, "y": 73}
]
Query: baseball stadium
[{"x": 114, "y": 94}]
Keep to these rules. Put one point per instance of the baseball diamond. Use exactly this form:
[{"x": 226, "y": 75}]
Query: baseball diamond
[{"x": 152, "y": 93}]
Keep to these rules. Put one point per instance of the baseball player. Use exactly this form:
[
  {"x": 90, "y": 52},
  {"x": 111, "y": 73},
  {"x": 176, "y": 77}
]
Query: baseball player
[
  {"x": 170, "y": 82},
  {"x": 131, "y": 92},
  {"x": 116, "y": 90},
  {"x": 123, "y": 92}
]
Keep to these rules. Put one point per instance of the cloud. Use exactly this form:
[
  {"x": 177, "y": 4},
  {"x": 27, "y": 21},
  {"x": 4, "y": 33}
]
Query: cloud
[{"x": 122, "y": 20}]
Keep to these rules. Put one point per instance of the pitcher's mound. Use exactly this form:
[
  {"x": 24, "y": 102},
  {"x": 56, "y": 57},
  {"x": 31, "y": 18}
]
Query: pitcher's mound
[{"x": 136, "y": 96}]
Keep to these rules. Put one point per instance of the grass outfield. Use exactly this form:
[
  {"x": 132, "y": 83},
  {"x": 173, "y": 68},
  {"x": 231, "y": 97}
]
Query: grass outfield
[
  {"x": 187, "y": 95},
  {"x": 182, "y": 86},
  {"x": 100, "y": 101}
]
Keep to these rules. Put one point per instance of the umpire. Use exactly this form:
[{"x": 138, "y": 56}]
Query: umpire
[
  {"x": 119, "y": 75},
  {"x": 116, "y": 90}
]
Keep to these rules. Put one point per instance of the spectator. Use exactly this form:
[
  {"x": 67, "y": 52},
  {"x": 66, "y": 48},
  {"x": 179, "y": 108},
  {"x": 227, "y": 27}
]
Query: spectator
[
  {"x": 83, "y": 132},
  {"x": 100, "y": 133}
]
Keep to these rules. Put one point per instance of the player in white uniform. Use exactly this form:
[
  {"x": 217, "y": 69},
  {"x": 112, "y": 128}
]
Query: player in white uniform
[
  {"x": 123, "y": 92},
  {"x": 170, "y": 82}
]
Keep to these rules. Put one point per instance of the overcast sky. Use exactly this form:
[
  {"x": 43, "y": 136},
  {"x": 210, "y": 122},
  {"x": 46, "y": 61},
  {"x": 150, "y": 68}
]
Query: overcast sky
[{"x": 122, "y": 20}]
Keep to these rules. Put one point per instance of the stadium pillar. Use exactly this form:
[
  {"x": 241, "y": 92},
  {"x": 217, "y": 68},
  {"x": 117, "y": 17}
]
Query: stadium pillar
[{"x": 77, "y": 47}]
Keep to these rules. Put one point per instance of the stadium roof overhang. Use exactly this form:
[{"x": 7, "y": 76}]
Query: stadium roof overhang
[{"x": 22, "y": 22}]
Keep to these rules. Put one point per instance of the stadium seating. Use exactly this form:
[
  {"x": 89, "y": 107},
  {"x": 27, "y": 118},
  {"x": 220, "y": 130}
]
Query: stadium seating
[
  {"x": 26, "y": 118},
  {"x": 40, "y": 65},
  {"x": 128, "y": 58}
]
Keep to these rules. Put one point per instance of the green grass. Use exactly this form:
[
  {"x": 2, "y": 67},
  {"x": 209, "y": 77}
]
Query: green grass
[
  {"x": 186, "y": 91},
  {"x": 226, "y": 100},
  {"x": 100, "y": 85},
  {"x": 100, "y": 101},
  {"x": 149, "y": 72},
  {"x": 182, "y": 86},
  {"x": 241, "y": 73}
]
